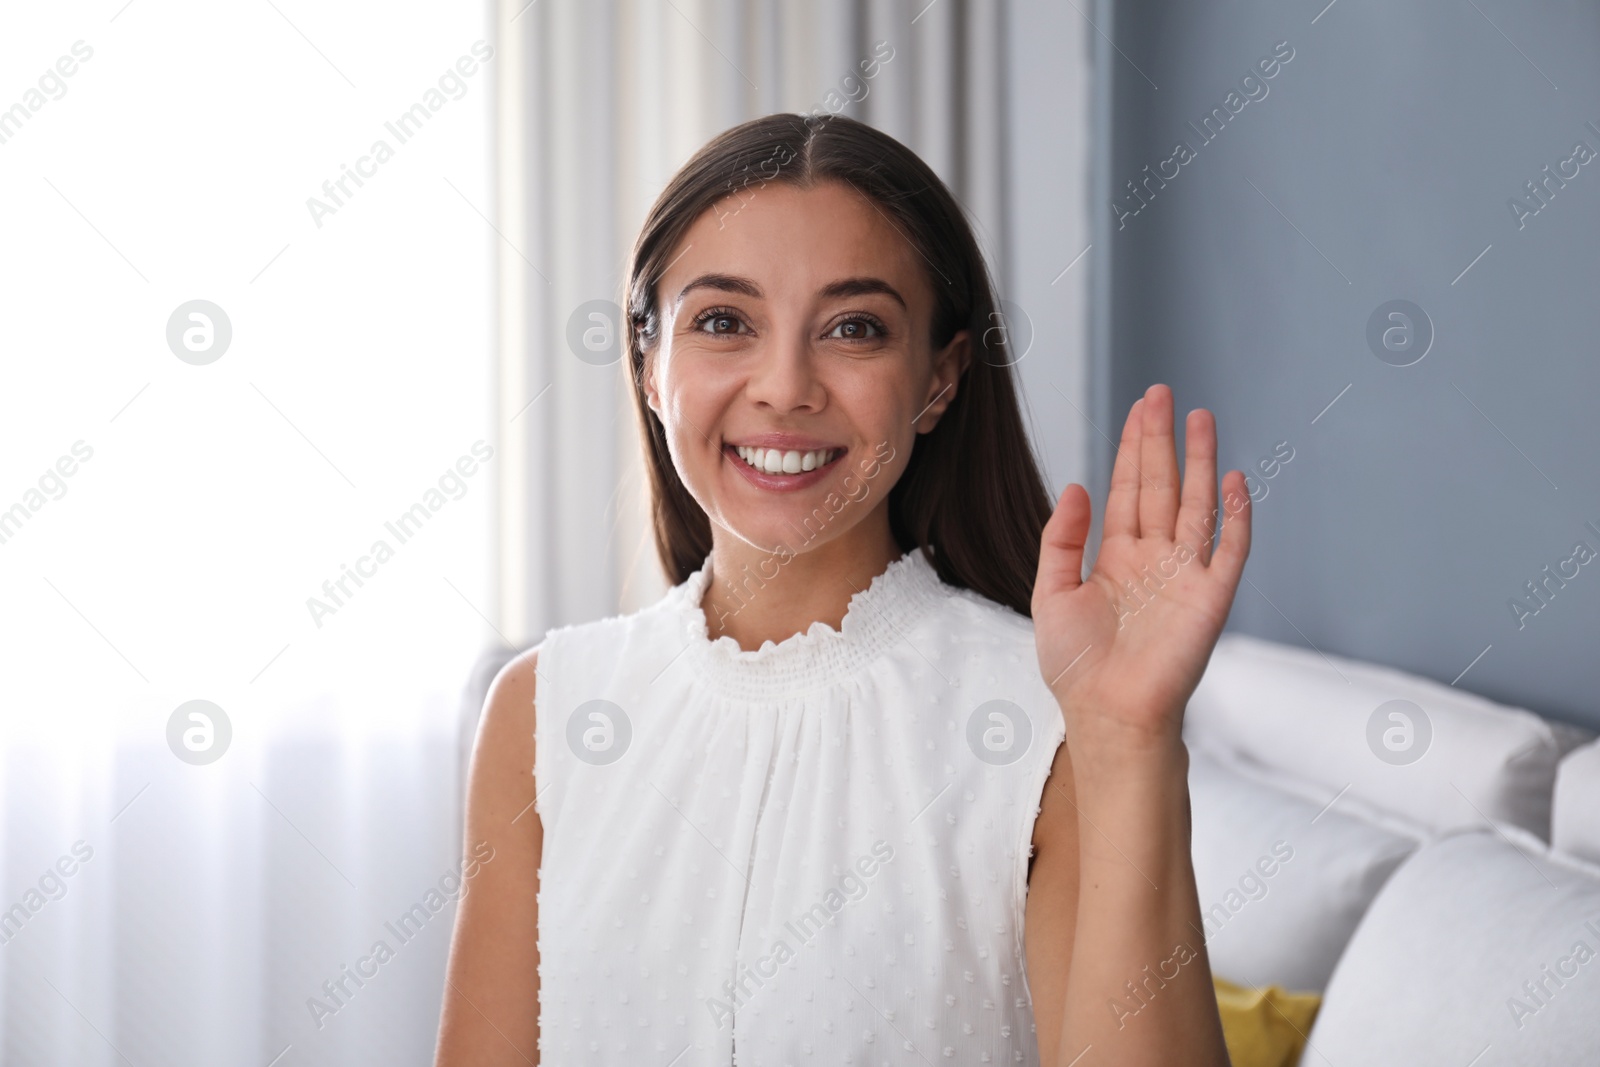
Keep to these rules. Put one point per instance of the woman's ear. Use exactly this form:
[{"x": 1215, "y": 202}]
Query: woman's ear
[
  {"x": 948, "y": 366},
  {"x": 652, "y": 398}
]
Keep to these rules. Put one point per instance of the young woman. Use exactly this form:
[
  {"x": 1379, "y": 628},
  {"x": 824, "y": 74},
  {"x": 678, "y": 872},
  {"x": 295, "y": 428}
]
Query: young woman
[{"x": 883, "y": 779}]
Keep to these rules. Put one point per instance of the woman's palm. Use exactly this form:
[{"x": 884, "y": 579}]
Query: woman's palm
[{"x": 1127, "y": 646}]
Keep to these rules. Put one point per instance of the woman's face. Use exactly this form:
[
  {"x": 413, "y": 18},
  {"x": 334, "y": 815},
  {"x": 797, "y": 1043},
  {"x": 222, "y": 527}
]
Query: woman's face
[{"x": 795, "y": 366}]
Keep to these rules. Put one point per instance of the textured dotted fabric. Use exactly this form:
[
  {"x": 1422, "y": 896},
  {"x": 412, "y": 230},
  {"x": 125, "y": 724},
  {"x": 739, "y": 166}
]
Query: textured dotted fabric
[{"x": 810, "y": 853}]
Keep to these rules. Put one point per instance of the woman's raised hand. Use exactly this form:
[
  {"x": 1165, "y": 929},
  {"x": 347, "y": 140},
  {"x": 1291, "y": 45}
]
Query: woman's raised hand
[{"x": 1123, "y": 649}]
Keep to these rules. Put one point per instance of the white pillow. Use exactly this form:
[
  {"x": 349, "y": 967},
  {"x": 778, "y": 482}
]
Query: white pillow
[
  {"x": 1327, "y": 720},
  {"x": 1575, "y": 816},
  {"x": 1282, "y": 886},
  {"x": 1446, "y": 967}
]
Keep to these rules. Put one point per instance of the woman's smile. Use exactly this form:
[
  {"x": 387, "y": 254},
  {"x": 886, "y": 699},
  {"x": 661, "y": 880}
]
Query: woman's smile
[{"x": 782, "y": 463}]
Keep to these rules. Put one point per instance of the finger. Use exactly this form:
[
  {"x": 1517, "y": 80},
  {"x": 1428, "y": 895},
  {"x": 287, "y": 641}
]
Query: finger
[
  {"x": 1233, "y": 545},
  {"x": 1158, "y": 460},
  {"x": 1122, "y": 502},
  {"x": 1197, "y": 517},
  {"x": 1061, "y": 547}
]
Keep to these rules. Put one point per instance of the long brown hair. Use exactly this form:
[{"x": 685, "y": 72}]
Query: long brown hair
[{"x": 971, "y": 491}]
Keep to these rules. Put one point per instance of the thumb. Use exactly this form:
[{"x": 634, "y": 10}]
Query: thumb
[{"x": 1061, "y": 547}]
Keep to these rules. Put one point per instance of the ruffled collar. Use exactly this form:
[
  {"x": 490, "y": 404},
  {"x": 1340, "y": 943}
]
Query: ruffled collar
[{"x": 876, "y": 618}]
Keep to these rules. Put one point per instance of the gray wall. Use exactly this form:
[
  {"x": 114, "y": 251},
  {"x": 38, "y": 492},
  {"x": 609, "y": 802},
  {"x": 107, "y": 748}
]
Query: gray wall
[{"x": 1378, "y": 166}]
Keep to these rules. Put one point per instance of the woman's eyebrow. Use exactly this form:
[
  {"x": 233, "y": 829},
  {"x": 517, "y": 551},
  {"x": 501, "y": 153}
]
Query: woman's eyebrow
[
  {"x": 727, "y": 282},
  {"x": 862, "y": 286},
  {"x": 732, "y": 283}
]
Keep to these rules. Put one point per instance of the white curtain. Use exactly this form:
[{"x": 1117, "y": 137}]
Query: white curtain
[
  {"x": 211, "y": 908},
  {"x": 154, "y": 911}
]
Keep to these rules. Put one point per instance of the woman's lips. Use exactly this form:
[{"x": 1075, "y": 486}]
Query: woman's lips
[{"x": 824, "y": 459}]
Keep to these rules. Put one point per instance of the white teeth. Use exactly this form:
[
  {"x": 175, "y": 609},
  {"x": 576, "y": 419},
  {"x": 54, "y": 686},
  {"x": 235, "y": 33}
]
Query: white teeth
[{"x": 773, "y": 461}]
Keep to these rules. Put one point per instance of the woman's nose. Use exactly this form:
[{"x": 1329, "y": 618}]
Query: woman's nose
[{"x": 784, "y": 376}]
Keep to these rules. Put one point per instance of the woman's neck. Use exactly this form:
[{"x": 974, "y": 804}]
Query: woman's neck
[{"x": 756, "y": 595}]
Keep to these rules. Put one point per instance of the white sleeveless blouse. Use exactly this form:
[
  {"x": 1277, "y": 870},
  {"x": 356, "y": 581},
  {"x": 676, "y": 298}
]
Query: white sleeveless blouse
[{"x": 811, "y": 853}]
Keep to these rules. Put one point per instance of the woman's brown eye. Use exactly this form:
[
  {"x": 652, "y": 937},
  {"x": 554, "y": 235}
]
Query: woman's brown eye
[{"x": 854, "y": 330}]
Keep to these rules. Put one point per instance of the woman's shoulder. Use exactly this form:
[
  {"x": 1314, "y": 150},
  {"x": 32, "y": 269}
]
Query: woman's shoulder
[
  {"x": 992, "y": 645},
  {"x": 969, "y": 613},
  {"x": 615, "y": 654},
  {"x": 510, "y": 684}
]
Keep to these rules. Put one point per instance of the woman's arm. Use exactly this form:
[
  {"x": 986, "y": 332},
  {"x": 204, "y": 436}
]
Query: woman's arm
[
  {"x": 1052, "y": 904},
  {"x": 491, "y": 997},
  {"x": 1127, "y": 975},
  {"x": 1140, "y": 989},
  {"x": 1114, "y": 900}
]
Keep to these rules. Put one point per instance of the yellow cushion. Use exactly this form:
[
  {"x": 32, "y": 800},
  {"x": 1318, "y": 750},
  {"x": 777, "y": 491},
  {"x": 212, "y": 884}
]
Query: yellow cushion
[{"x": 1264, "y": 1027}]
